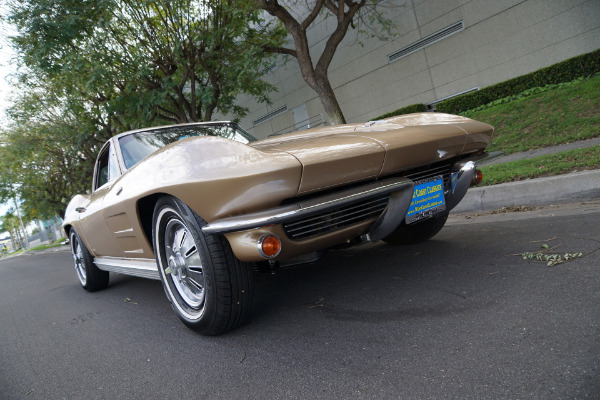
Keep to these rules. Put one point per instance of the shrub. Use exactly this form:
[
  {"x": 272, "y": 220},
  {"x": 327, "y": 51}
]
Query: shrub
[
  {"x": 565, "y": 71},
  {"x": 413, "y": 108}
]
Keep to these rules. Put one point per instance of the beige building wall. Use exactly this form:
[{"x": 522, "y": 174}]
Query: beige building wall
[{"x": 499, "y": 40}]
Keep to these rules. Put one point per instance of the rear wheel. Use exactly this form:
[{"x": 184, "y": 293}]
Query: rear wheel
[
  {"x": 208, "y": 287},
  {"x": 91, "y": 277},
  {"x": 417, "y": 232}
]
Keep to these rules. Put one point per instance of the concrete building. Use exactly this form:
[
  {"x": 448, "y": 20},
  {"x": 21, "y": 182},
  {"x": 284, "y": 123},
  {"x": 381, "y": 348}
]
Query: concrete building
[{"x": 443, "y": 47}]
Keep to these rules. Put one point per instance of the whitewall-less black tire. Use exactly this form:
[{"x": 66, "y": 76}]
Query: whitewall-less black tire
[
  {"x": 417, "y": 232},
  {"x": 90, "y": 277},
  {"x": 208, "y": 287}
]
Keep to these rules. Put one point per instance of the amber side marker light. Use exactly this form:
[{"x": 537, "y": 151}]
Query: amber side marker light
[
  {"x": 477, "y": 177},
  {"x": 269, "y": 246}
]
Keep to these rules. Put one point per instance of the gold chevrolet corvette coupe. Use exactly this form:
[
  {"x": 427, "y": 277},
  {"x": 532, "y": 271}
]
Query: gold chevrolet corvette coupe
[{"x": 200, "y": 206}]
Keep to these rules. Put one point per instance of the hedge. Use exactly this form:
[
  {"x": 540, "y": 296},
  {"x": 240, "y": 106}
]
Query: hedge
[
  {"x": 581, "y": 66},
  {"x": 413, "y": 108}
]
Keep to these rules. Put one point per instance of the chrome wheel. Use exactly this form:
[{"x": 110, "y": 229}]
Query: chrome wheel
[
  {"x": 90, "y": 277},
  {"x": 77, "y": 252},
  {"x": 207, "y": 286},
  {"x": 184, "y": 264}
]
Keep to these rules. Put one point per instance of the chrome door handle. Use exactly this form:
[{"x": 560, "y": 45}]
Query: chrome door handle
[{"x": 80, "y": 209}]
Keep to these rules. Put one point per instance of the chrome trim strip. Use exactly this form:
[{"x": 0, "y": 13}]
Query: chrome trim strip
[
  {"x": 124, "y": 231},
  {"x": 303, "y": 209},
  {"x": 141, "y": 267}
]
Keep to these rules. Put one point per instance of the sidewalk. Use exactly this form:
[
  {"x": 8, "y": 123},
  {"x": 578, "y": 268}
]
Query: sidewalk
[
  {"x": 584, "y": 185},
  {"x": 582, "y": 144},
  {"x": 57, "y": 249}
]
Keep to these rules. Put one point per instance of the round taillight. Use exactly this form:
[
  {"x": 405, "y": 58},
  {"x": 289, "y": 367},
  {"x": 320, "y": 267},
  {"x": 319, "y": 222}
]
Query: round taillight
[{"x": 269, "y": 246}]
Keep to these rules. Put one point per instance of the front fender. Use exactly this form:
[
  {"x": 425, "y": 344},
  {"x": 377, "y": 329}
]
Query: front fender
[{"x": 215, "y": 177}]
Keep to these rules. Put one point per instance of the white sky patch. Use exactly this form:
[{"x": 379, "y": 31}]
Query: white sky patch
[
  {"x": 7, "y": 64},
  {"x": 7, "y": 69}
]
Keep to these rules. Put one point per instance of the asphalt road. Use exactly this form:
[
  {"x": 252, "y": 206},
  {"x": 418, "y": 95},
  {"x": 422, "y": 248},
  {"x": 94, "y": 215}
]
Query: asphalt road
[{"x": 459, "y": 317}]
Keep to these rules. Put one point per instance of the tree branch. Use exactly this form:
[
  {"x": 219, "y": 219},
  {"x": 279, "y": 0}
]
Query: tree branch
[
  {"x": 280, "y": 50},
  {"x": 314, "y": 13}
]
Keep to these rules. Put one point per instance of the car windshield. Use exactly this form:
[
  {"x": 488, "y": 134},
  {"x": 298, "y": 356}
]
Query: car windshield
[{"x": 139, "y": 145}]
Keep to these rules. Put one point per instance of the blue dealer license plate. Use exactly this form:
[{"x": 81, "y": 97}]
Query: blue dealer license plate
[{"x": 428, "y": 199}]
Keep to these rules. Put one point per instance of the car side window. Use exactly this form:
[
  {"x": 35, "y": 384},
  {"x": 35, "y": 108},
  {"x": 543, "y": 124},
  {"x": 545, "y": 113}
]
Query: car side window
[{"x": 107, "y": 167}]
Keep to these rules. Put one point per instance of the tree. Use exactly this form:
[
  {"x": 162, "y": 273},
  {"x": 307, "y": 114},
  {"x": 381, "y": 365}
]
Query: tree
[
  {"x": 48, "y": 153},
  {"x": 151, "y": 61},
  {"x": 7, "y": 224},
  {"x": 344, "y": 12},
  {"x": 91, "y": 69}
]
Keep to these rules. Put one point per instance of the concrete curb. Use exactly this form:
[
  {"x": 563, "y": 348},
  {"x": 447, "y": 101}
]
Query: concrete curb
[{"x": 576, "y": 186}]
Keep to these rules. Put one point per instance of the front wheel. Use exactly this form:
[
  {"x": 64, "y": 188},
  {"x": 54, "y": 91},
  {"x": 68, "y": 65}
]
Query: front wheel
[
  {"x": 91, "y": 277},
  {"x": 417, "y": 232},
  {"x": 208, "y": 287}
]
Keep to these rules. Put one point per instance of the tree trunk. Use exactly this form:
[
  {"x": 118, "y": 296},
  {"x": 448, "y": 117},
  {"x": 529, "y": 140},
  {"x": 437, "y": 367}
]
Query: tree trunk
[
  {"x": 329, "y": 102},
  {"x": 315, "y": 75},
  {"x": 12, "y": 239}
]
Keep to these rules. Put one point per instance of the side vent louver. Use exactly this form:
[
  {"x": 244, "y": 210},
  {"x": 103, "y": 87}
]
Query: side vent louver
[
  {"x": 426, "y": 41},
  {"x": 270, "y": 115}
]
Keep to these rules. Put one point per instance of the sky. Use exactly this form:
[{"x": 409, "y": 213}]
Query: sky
[
  {"x": 7, "y": 64},
  {"x": 7, "y": 68}
]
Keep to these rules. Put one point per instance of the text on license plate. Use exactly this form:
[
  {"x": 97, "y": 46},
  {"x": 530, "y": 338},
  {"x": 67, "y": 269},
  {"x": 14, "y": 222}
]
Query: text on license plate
[{"x": 428, "y": 199}]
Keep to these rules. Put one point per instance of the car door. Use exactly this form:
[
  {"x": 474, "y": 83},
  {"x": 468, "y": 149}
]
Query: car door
[{"x": 100, "y": 240}]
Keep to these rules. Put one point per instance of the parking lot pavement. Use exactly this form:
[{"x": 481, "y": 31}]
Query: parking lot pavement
[{"x": 461, "y": 316}]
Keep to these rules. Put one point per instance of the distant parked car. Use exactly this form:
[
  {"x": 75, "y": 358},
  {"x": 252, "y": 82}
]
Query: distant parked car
[{"x": 198, "y": 206}]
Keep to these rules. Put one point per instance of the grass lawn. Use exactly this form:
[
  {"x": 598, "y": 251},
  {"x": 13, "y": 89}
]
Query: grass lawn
[
  {"x": 548, "y": 165},
  {"x": 561, "y": 115},
  {"x": 56, "y": 243},
  {"x": 46, "y": 246}
]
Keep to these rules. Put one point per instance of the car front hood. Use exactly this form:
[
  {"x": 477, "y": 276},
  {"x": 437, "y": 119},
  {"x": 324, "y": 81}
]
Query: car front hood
[{"x": 336, "y": 155}]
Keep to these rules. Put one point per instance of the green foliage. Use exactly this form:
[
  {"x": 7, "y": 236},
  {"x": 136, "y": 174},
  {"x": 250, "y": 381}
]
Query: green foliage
[
  {"x": 526, "y": 93},
  {"x": 539, "y": 118},
  {"x": 413, "y": 108},
  {"x": 48, "y": 165},
  {"x": 148, "y": 62},
  {"x": 45, "y": 246},
  {"x": 10, "y": 223},
  {"x": 554, "y": 164},
  {"x": 91, "y": 69},
  {"x": 566, "y": 71},
  {"x": 550, "y": 259},
  {"x": 549, "y": 116}
]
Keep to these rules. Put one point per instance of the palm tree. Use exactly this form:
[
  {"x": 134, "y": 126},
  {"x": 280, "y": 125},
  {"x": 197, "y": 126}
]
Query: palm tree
[{"x": 10, "y": 223}]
